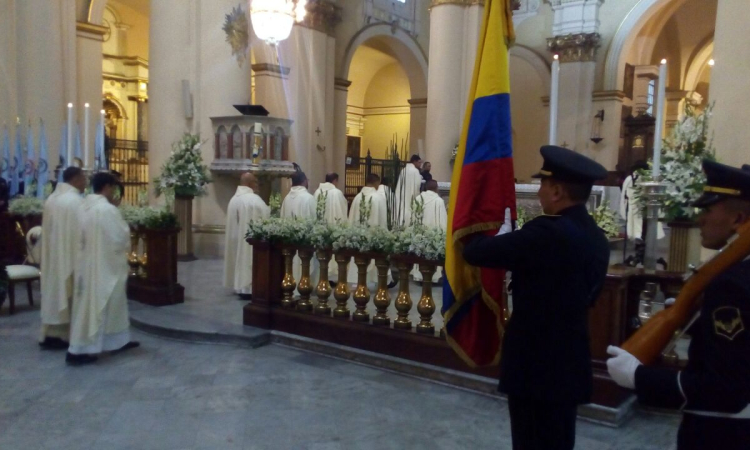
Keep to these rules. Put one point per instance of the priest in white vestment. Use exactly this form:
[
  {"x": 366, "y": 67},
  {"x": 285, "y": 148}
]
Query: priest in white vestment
[
  {"x": 100, "y": 321},
  {"x": 434, "y": 215},
  {"x": 630, "y": 210},
  {"x": 369, "y": 198},
  {"x": 244, "y": 207},
  {"x": 407, "y": 188},
  {"x": 60, "y": 238},
  {"x": 300, "y": 204},
  {"x": 335, "y": 210}
]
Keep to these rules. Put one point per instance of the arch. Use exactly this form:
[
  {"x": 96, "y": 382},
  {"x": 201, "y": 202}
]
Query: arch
[
  {"x": 698, "y": 64},
  {"x": 536, "y": 61},
  {"x": 403, "y": 48},
  {"x": 117, "y": 103},
  {"x": 645, "y": 12}
]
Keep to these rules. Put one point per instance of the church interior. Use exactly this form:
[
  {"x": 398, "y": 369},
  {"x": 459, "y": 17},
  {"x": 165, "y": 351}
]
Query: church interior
[{"x": 315, "y": 353}]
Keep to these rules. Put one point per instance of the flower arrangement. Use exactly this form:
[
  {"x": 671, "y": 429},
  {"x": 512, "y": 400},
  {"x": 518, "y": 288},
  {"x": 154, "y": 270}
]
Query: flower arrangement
[
  {"x": 274, "y": 202},
  {"x": 26, "y": 206},
  {"x": 159, "y": 219},
  {"x": 418, "y": 240},
  {"x": 133, "y": 215},
  {"x": 184, "y": 172},
  {"x": 607, "y": 220},
  {"x": 681, "y": 166},
  {"x": 285, "y": 231}
]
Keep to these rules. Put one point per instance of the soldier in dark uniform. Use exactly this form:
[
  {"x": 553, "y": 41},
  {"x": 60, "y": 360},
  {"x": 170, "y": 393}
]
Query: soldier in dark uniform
[
  {"x": 558, "y": 262},
  {"x": 713, "y": 391}
]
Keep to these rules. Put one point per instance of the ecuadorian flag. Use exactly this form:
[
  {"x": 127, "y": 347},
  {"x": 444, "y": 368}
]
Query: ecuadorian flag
[{"x": 482, "y": 187}]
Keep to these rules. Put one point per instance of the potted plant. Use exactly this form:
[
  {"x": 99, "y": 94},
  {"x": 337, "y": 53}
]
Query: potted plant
[{"x": 184, "y": 176}]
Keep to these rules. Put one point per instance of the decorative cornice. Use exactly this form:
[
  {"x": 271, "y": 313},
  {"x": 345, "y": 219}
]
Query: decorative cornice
[
  {"x": 435, "y": 3},
  {"x": 417, "y": 102},
  {"x": 341, "y": 83},
  {"x": 272, "y": 68},
  {"x": 608, "y": 95},
  {"x": 128, "y": 60},
  {"x": 91, "y": 31},
  {"x": 322, "y": 16},
  {"x": 113, "y": 77},
  {"x": 575, "y": 47},
  {"x": 138, "y": 98}
]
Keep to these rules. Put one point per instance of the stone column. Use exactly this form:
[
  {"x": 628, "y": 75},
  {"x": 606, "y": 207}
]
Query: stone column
[
  {"x": 454, "y": 30},
  {"x": 418, "y": 125},
  {"x": 339, "y": 146},
  {"x": 575, "y": 39}
]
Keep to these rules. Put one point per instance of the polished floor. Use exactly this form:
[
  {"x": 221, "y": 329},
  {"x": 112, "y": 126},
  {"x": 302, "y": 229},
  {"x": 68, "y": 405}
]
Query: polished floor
[{"x": 174, "y": 395}]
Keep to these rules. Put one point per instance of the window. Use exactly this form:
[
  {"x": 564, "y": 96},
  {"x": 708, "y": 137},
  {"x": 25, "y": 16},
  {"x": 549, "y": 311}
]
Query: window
[{"x": 650, "y": 97}]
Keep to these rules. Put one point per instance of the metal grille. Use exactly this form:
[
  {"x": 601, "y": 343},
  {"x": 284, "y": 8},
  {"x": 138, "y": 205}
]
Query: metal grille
[
  {"x": 357, "y": 172},
  {"x": 130, "y": 158}
]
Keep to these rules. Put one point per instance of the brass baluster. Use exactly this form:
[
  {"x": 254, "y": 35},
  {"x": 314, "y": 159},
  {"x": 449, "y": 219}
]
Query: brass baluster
[
  {"x": 305, "y": 286},
  {"x": 341, "y": 293},
  {"x": 403, "y": 301},
  {"x": 133, "y": 261},
  {"x": 382, "y": 299},
  {"x": 288, "y": 284},
  {"x": 362, "y": 293},
  {"x": 426, "y": 305},
  {"x": 323, "y": 290},
  {"x": 144, "y": 256}
]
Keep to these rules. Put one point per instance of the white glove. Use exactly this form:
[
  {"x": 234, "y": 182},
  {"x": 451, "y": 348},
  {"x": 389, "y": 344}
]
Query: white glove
[
  {"x": 507, "y": 226},
  {"x": 622, "y": 367},
  {"x": 669, "y": 302}
]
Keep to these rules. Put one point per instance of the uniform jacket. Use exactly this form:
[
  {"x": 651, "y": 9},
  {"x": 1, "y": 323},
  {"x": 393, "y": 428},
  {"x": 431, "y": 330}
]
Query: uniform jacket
[
  {"x": 558, "y": 266},
  {"x": 717, "y": 376}
]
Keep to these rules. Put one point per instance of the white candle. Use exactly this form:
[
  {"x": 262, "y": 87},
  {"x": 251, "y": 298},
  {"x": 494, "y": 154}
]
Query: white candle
[
  {"x": 86, "y": 135},
  {"x": 554, "y": 93},
  {"x": 102, "y": 155},
  {"x": 659, "y": 108},
  {"x": 71, "y": 135}
]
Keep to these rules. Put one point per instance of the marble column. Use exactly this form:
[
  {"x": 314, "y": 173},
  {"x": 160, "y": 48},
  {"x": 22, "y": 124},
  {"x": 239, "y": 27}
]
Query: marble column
[
  {"x": 339, "y": 146},
  {"x": 454, "y": 31}
]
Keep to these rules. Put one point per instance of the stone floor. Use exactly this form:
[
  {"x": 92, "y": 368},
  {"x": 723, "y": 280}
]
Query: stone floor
[{"x": 175, "y": 395}]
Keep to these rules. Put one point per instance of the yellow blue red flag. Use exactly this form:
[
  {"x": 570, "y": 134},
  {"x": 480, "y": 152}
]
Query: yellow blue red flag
[{"x": 482, "y": 187}]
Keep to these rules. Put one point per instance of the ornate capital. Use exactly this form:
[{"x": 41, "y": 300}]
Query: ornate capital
[
  {"x": 575, "y": 47},
  {"x": 322, "y": 16}
]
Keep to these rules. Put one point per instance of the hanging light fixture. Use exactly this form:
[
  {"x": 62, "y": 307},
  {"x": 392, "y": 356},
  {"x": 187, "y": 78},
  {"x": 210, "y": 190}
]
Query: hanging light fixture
[{"x": 273, "y": 19}]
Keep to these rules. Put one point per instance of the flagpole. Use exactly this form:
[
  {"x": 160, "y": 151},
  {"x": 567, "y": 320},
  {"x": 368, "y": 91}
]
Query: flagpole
[{"x": 553, "y": 99}]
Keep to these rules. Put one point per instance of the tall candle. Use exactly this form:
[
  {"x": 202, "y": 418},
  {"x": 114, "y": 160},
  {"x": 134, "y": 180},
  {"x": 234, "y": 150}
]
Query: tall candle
[
  {"x": 86, "y": 135},
  {"x": 659, "y": 107},
  {"x": 71, "y": 136},
  {"x": 102, "y": 156},
  {"x": 553, "y": 96}
]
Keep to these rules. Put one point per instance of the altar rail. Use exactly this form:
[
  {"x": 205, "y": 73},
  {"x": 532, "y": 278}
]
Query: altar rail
[{"x": 279, "y": 302}]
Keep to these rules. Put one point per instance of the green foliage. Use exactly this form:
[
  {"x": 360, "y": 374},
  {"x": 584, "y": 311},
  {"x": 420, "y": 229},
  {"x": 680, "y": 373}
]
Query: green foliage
[
  {"x": 159, "y": 219},
  {"x": 275, "y": 204},
  {"x": 607, "y": 220},
  {"x": 184, "y": 172},
  {"x": 26, "y": 206}
]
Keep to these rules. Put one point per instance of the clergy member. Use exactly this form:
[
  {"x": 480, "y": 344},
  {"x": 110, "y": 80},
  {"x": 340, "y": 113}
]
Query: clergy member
[
  {"x": 300, "y": 204},
  {"x": 434, "y": 216},
  {"x": 368, "y": 198},
  {"x": 60, "y": 238},
  {"x": 335, "y": 202},
  {"x": 407, "y": 188},
  {"x": 100, "y": 320},
  {"x": 246, "y": 206}
]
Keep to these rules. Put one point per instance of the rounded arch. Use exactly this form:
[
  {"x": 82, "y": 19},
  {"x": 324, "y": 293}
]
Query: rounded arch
[
  {"x": 536, "y": 61},
  {"x": 120, "y": 107},
  {"x": 403, "y": 48},
  {"x": 652, "y": 13},
  {"x": 698, "y": 63}
]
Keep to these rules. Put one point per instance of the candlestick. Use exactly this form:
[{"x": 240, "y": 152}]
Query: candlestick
[
  {"x": 71, "y": 136},
  {"x": 659, "y": 107},
  {"x": 86, "y": 135},
  {"x": 553, "y": 97}
]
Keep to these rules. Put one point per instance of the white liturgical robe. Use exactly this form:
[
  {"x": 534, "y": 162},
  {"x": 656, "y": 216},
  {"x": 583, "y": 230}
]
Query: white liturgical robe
[
  {"x": 335, "y": 211},
  {"x": 244, "y": 207},
  {"x": 300, "y": 204},
  {"x": 378, "y": 218},
  {"x": 435, "y": 216},
  {"x": 407, "y": 189},
  {"x": 60, "y": 242},
  {"x": 630, "y": 212},
  {"x": 100, "y": 320}
]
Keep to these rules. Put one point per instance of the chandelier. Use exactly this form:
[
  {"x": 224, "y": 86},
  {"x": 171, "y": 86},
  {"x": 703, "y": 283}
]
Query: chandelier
[{"x": 273, "y": 19}]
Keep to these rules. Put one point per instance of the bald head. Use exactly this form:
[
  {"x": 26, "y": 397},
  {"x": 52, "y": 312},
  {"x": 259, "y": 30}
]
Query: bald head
[
  {"x": 431, "y": 185},
  {"x": 247, "y": 179}
]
